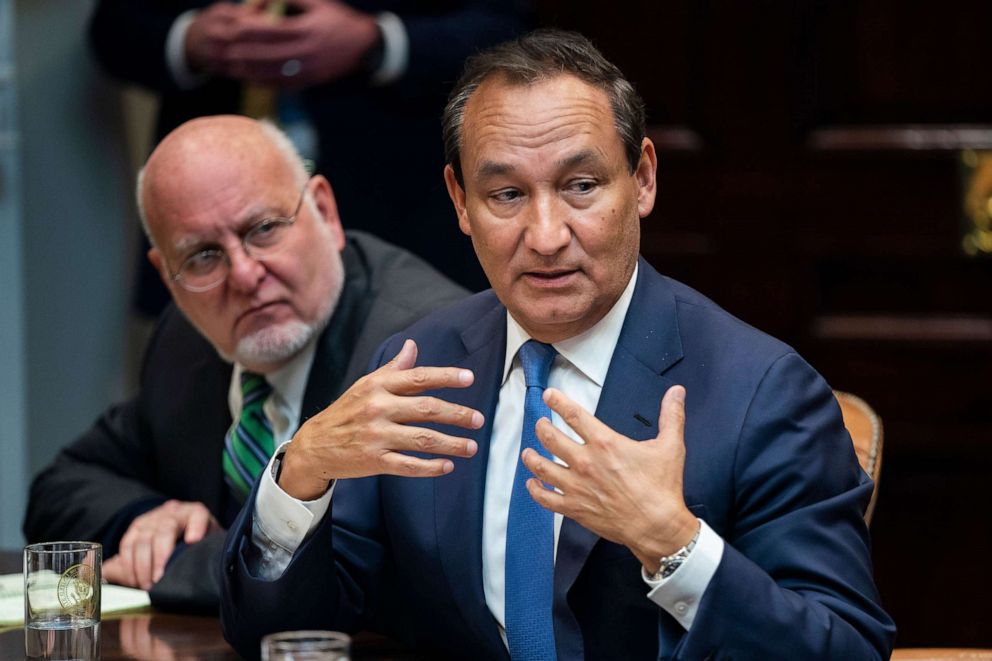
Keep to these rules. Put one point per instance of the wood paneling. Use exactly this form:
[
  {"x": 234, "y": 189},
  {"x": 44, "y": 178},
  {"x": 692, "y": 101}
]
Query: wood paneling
[{"x": 810, "y": 182}]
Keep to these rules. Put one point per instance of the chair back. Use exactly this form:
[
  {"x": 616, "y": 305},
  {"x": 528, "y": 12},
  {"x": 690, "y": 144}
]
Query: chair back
[{"x": 865, "y": 428}]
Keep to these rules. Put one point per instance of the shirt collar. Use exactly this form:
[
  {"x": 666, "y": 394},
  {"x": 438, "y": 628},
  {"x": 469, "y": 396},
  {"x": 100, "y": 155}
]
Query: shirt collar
[
  {"x": 288, "y": 382},
  {"x": 591, "y": 351}
]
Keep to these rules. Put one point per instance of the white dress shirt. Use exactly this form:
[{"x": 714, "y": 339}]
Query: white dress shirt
[{"x": 579, "y": 370}]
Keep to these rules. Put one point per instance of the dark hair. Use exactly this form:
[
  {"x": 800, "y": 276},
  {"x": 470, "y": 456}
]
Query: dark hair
[{"x": 537, "y": 56}]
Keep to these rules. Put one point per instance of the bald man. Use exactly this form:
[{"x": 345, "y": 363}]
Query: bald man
[{"x": 277, "y": 311}]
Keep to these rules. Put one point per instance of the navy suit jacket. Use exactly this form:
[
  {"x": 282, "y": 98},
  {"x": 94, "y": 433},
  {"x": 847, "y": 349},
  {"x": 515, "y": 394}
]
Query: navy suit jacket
[{"x": 769, "y": 466}]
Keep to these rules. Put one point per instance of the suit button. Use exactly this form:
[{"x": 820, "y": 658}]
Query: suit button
[{"x": 230, "y": 568}]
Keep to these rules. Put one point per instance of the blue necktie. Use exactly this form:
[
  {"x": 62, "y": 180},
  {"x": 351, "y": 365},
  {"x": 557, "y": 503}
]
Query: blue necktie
[{"x": 530, "y": 535}]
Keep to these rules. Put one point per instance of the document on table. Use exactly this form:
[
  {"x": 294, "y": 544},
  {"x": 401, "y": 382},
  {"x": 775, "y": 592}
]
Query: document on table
[{"x": 113, "y": 599}]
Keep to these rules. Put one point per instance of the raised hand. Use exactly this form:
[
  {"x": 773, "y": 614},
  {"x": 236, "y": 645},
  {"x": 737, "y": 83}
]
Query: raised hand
[
  {"x": 367, "y": 430},
  {"x": 626, "y": 491}
]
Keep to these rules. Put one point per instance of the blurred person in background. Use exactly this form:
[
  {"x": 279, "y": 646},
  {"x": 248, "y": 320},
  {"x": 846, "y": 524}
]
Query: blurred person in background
[{"x": 359, "y": 86}]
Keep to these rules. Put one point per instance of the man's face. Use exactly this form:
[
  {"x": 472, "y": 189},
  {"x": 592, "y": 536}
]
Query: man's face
[
  {"x": 549, "y": 201},
  {"x": 266, "y": 309}
]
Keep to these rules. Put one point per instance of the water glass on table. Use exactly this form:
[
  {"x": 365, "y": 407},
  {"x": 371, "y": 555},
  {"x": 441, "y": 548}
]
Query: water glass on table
[
  {"x": 306, "y": 646},
  {"x": 62, "y": 601}
]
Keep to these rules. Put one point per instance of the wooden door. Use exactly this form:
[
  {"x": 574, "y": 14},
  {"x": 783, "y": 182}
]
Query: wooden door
[{"x": 822, "y": 176}]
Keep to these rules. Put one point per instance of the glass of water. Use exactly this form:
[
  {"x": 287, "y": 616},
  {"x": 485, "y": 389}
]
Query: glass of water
[
  {"x": 306, "y": 646},
  {"x": 62, "y": 600}
]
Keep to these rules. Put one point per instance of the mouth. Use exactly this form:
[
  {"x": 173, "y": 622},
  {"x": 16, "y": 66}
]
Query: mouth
[
  {"x": 257, "y": 309},
  {"x": 550, "y": 277}
]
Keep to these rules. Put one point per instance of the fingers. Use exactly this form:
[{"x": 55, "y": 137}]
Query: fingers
[
  {"x": 198, "y": 523},
  {"x": 162, "y": 546},
  {"x": 671, "y": 420},
  {"x": 114, "y": 571},
  {"x": 395, "y": 463},
  {"x": 546, "y": 470},
  {"x": 546, "y": 498},
  {"x": 412, "y": 380},
  {"x": 421, "y": 439},
  {"x": 435, "y": 410},
  {"x": 556, "y": 441},
  {"x": 581, "y": 421},
  {"x": 147, "y": 551},
  {"x": 406, "y": 358},
  {"x": 150, "y": 540}
]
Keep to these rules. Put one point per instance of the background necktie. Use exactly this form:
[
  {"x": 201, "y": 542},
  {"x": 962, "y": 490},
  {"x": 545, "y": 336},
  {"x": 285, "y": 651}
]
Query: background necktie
[
  {"x": 530, "y": 529},
  {"x": 249, "y": 445}
]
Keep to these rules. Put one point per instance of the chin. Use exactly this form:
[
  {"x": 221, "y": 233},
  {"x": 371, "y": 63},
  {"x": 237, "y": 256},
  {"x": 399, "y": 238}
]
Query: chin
[{"x": 276, "y": 344}]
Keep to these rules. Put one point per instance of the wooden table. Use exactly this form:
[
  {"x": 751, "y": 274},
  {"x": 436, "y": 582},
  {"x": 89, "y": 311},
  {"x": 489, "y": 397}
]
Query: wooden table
[
  {"x": 168, "y": 637},
  {"x": 152, "y": 635}
]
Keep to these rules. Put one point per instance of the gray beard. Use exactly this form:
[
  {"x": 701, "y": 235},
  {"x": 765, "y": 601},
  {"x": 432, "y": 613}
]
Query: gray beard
[{"x": 276, "y": 344}]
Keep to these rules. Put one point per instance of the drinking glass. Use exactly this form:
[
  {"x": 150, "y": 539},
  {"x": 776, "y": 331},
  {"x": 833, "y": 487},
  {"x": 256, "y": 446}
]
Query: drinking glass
[
  {"x": 306, "y": 646},
  {"x": 62, "y": 601}
]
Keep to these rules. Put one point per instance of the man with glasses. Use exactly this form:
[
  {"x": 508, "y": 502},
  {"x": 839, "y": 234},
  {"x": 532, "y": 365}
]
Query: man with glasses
[{"x": 279, "y": 311}]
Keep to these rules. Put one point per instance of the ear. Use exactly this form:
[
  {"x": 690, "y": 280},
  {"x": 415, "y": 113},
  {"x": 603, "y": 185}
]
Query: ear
[
  {"x": 327, "y": 208},
  {"x": 646, "y": 177},
  {"x": 155, "y": 257},
  {"x": 457, "y": 195}
]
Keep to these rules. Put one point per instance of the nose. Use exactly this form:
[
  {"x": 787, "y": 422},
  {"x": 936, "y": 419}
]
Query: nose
[
  {"x": 245, "y": 271},
  {"x": 547, "y": 230}
]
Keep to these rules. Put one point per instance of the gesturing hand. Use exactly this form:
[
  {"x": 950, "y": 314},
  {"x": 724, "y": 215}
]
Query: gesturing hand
[
  {"x": 626, "y": 491},
  {"x": 366, "y": 430},
  {"x": 150, "y": 539}
]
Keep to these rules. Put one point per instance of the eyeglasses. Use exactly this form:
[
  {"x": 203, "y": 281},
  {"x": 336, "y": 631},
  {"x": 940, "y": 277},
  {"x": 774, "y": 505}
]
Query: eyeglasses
[{"x": 207, "y": 268}]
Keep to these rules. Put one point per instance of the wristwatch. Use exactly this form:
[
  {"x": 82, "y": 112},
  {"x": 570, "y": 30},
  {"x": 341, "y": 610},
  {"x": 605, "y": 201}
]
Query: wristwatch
[{"x": 668, "y": 564}]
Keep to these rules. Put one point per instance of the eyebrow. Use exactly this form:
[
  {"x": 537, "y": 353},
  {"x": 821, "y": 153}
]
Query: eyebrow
[
  {"x": 259, "y": 212},
  {"x": 580, "y": 158},
  {"x": 494, "y": 168}
]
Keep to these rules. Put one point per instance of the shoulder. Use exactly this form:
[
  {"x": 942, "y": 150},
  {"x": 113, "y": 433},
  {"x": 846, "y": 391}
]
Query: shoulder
[
  {"x": 175, "y": 342},
  {"x": 692, "y": 340},
  {"x": 705, "y": 327},
  {"x": 450, "y": 332},
  {"x": 403, "y": 285}
]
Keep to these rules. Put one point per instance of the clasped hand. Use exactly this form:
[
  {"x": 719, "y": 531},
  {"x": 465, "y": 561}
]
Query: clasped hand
[
  {"x": 325, "y": 38},
  {"x": 626, "y": 491},
  {"x": 368, "y": 429}
]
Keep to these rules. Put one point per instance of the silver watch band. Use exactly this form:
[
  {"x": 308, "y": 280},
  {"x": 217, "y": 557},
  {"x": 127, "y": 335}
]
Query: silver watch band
[{"x": 668, "y": 564}]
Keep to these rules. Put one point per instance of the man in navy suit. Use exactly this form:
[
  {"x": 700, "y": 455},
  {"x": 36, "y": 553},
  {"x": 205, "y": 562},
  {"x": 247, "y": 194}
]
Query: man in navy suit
[{"x": 727, "y": 525}]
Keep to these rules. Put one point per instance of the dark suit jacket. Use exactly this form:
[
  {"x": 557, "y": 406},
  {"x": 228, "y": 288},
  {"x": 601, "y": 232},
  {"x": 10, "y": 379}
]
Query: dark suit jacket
[
  {"x": 167, "y": 442},
  {"x": 368, "y": 135},
  {"x": 769, "y": 466}
]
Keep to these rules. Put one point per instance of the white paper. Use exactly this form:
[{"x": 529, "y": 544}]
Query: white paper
[{"x": 113, "y": 599}]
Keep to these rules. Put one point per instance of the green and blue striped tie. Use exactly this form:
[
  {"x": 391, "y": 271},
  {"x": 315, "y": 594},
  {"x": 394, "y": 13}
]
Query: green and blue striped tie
[{"x": 249, "y": 444}]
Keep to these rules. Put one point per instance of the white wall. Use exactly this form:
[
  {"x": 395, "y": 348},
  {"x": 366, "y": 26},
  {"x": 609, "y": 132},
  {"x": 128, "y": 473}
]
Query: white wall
[
  {"x": 74, "y": 258},
  {"x": 12, "y": 338}
]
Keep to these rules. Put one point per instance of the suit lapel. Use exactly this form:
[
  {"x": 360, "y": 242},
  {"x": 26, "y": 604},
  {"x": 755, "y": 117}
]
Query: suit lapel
[
  {"x": 649, "y": 344},
  {"x": 459, "y": 496}
]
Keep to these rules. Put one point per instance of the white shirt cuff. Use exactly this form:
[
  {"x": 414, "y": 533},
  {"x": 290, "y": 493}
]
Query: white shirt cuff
[
  {"x": 175, "y": 52},
  {"x": 680, "y": 593},
  {"x": 395, "y": 51},
  {"x": 282, "y": 522}
]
